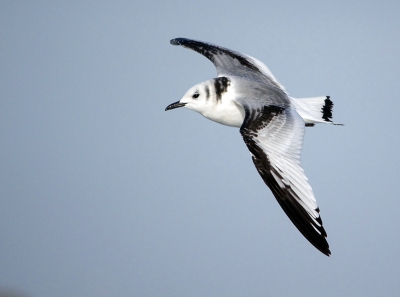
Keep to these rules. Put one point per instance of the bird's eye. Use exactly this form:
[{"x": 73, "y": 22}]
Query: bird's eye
[{"x": 196, "y": 95}]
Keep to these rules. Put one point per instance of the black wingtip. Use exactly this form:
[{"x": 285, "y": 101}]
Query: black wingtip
[
  {"x": 325, "y": 251},
  {"x": 177, "y": 41}
]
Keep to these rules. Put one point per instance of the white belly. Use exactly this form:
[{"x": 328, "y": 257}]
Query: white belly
[{"x": 226, "y": 113}]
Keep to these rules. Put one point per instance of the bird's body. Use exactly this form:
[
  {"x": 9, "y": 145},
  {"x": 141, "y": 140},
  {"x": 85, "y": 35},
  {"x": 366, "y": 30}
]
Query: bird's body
[{"x": 246, "y": 95}]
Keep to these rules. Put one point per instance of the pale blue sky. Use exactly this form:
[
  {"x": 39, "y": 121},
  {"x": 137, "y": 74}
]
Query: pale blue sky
[{"x": 103, "y": 193}]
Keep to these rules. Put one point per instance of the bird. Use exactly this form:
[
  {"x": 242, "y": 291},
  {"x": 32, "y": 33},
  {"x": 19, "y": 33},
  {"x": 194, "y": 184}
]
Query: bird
[{"x": 246, "y": 95}]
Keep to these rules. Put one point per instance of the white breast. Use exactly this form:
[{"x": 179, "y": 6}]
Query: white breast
[{"x": 225, "y": 112}]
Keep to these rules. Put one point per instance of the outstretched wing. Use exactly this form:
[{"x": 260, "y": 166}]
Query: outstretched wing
[
  {"x": 231, "y": 63},
  {"x": 274, "y": 136}
]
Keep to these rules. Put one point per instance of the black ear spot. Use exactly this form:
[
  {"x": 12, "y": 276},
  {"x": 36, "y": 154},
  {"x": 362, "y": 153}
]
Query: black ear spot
[{"x": 195, "y": 95}]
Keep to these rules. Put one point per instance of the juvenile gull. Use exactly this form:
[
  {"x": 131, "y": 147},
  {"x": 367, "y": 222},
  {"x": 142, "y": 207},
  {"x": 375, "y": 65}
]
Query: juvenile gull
[{"x": 246, "y": 95}]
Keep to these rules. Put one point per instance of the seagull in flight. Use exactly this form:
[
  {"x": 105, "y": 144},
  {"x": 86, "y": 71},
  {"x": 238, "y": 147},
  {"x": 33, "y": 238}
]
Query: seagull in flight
[{"x": 246, "y": 95}]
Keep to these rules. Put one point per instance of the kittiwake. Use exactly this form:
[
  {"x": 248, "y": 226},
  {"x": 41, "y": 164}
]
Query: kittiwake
[{"x": 246, "y": 95}]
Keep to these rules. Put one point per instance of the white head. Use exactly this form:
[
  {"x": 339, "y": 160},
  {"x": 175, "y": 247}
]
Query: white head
[
  {"x": 213, "y": 100},
  {"x": 204, "y": 95},
  {"x": 198, "y": 98}
]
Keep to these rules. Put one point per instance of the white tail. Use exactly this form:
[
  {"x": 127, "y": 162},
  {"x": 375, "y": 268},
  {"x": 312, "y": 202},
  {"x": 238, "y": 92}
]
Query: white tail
[{"x": 314, "y": 110}]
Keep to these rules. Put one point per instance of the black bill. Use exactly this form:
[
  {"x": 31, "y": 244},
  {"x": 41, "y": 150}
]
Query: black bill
[{"x": 175, "y": 105}]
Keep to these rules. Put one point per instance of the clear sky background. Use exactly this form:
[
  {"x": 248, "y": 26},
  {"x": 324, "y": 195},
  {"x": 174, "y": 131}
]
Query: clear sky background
[{"x": 103, "y": 193}]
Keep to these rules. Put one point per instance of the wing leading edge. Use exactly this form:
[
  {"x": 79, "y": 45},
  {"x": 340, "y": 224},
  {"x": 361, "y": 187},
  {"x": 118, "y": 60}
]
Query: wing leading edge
[{"x": 231, "y": 63}]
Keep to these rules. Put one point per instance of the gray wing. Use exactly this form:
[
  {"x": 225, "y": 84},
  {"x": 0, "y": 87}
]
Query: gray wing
[
  {"x": 274, "y": 136},
  {"x": 231, "y": 63}
]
